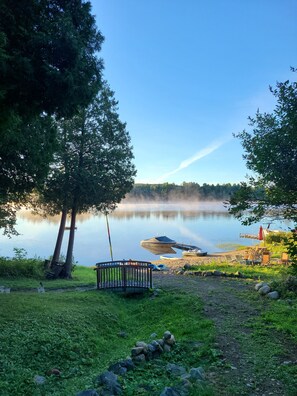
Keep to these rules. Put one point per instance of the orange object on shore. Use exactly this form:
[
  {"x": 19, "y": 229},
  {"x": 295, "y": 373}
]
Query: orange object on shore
[
  {"x": 284, "y": 258},
  {"x": 265, "y": 258}
]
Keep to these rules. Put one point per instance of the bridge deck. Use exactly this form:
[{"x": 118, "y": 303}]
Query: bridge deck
[{"x": 125, "y": 274}]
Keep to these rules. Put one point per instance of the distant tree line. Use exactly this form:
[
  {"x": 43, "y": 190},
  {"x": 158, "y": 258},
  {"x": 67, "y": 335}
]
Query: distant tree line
[{"x": 185, "y": 191}]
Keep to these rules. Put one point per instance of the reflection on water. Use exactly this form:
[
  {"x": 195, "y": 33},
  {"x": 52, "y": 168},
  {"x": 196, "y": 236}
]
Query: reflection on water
[
  {"x": 33, "y": 218},
  {"x": 158, "y": 211},
  {"x": 206, "y": 225},
  {"x": 172, "y": 214}
]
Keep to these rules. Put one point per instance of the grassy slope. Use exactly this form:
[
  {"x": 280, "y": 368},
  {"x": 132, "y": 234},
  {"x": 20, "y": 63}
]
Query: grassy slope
[
  {"x": 253, "y": 271},
  {"x": 283, "y": 313},
  {"x": 78, "y": 333}
]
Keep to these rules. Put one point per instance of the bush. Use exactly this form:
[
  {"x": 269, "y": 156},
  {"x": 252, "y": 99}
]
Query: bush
[
  {"x": 287, "y": 287},
  {"x": 291, "y": 284},
  {"x": 291, "y": 245},
  {"x": 21, "y": 266},
  {"x": 279, "y": 237}
]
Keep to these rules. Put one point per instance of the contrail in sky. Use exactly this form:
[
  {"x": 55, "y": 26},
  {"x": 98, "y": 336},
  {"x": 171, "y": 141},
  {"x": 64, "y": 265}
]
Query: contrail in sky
[{"x": 200, "y": 154}]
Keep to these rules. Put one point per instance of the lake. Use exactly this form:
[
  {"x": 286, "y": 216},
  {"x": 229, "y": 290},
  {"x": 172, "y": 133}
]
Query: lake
[{"x": 204, "y": 224}]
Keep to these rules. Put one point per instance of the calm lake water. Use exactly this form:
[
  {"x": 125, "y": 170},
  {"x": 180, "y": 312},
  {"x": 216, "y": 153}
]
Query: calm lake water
[{"x": 204, "y": 224}]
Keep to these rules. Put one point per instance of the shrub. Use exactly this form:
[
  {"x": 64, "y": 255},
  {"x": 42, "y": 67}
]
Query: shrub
[
  {"x": 291, "y": 284},
  {"x": 291, "y": 245},
  {"x": 21, "y": 266},
  {"x": 279, "y": 237},
  {"x": 286, "y": 287}
]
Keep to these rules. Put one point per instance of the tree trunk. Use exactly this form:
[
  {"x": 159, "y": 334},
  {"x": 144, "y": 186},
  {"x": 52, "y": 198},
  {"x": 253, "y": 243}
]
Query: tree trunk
[
  {"x": 68, "y": 263},
  {"x": 58, "y": 246}
]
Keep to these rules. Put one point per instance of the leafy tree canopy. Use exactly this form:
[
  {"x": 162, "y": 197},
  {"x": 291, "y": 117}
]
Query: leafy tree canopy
[
  {"x": 27, "y": 150},
  {"x": 47, "y": 56},
  {"x": 48, "y": 66},
  {"x": 271, "y": 153},
  {"x": 92, "y": 167}
]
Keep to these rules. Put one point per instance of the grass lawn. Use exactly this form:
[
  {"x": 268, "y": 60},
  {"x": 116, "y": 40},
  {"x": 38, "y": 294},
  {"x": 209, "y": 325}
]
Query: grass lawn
[
  {"x": 254, "y": 271},
  {"x": 79, "y": 333},
  {"x": 283, "y": 315}
]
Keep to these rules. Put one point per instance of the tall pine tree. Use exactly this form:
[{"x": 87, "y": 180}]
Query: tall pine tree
[{"x": 93, "y": 167}]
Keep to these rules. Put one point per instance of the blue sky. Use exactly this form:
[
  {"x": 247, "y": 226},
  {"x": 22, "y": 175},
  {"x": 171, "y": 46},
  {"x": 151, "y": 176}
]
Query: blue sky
[{"x": 187, "y": 74}]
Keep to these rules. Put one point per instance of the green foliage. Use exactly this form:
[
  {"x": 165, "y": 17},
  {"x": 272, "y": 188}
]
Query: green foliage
[
  {"x": 250, "y": 271},
  {"x": 285, "y": 242},
  {"x": 287, "y": 286},
  {"x": 21, "y": 266},
  {"x": 51, "y": 45},
  {"x": 26, "y": 148},
  {"x": 48, "y": 66},
  {"x": 93, "y": 163},
  {"x": 271, "y": 154},
  {"x": 78, "y": 334},
  {"x": 291, "y": 245},
  {"x": 20, "y": 253},
  {"x": 277, "y": 237},
  {"x": 92, "y": 168}
]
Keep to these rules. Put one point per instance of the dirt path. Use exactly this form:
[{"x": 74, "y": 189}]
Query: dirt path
[{"x": 249, "y": 364}]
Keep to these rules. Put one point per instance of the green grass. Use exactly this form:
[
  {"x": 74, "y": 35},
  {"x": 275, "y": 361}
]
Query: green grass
[
  {"x": 231, "y": 246},
  {"x": 252, "y": 271},
  {"x": 274, "y": 340},
  {"x": 283, "y": 317},
  {"x": 78, "y": 333}
]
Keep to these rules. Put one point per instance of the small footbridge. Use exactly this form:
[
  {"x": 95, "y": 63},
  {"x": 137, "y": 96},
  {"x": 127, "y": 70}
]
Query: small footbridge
[{"x": 125, "y": 275}]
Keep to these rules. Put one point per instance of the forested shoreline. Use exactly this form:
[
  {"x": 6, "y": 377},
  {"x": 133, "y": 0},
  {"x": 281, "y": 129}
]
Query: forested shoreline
[{"x": 186, "y": 191}]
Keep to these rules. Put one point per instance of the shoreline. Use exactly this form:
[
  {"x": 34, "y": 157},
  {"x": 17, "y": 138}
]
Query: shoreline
[{"x": 181, "y": 261}]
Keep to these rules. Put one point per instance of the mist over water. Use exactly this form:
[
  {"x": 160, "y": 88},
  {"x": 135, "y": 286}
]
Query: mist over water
[{"x": 205, "y": 224}]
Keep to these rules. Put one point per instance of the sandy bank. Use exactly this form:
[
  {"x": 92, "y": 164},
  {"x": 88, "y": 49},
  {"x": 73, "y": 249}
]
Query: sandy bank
[{"x": 180, "y": 262}]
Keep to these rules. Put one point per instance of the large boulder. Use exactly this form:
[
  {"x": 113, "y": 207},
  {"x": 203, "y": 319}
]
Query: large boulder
[
  {"x": 88, "y": 392},
  {"x": 108, "y": 381},
  {"x": 259, "y": 285},
  {"x": 265, "y": 289},
  {"x": 175, "y": 370},
  {"x": 171, "y": 391},
  {"x": 136, "y": 351},
  {"x": 197, "y": 374},
  {"x": 274, "y": 295}
]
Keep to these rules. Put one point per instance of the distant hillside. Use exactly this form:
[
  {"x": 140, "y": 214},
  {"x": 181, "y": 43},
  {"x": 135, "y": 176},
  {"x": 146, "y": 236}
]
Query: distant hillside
[{"x": 187, "y": 191}]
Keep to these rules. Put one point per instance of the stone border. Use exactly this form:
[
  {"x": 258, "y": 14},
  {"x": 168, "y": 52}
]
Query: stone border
[
  {"x": 236, "y": 274},
  {"x": 264, "y": 289},
  {"x": 107, "y": 383}
]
